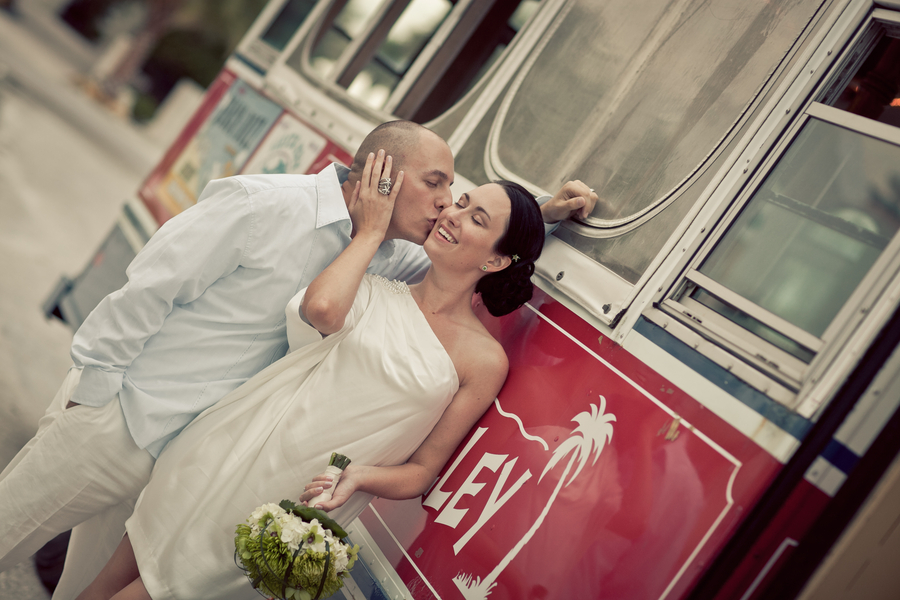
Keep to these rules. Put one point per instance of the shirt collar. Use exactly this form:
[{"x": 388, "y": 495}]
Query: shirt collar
[
  {"x": 331, "y": 205},
  {"x": 333, "y": 209}
]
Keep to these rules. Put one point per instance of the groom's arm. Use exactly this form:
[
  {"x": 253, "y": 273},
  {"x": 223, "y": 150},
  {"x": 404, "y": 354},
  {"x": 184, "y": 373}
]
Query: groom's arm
[{"x": 187, "y": 255}]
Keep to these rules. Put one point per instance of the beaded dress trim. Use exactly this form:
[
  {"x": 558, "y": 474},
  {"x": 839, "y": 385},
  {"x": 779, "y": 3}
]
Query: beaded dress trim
[{"x": 394, "y": 286}]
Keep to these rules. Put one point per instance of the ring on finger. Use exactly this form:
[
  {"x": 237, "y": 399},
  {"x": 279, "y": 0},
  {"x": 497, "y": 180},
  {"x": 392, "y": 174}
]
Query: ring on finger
[{"x": 384, "y": 186}]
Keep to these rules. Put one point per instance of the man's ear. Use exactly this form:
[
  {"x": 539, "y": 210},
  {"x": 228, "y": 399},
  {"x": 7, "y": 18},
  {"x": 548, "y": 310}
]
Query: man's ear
[{"x": 498, "y": 263}]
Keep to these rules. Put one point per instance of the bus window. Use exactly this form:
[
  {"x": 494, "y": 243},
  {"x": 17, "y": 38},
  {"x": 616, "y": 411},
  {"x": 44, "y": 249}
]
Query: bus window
[
  {"x": 777, "y": 282},
  {"x": 286, "y": 23},
  {"x": 639, "y": 108},
  {"x": 379, "y": 77},
  {"x": 410, "y": 58}
]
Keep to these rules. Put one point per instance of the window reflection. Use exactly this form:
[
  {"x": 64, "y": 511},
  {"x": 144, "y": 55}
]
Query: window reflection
[
  {"x": 416, "y": 25},
  {"x": 327, "y": 53},
  {"x": 347, "y": 25},
  {"x": 353, "y": 18},
  {"x": 286, "y": 23},
  {"x": 873, "y": 91},
  {"x": 813, "y": 229}
]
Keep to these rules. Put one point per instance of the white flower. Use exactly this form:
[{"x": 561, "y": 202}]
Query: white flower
[
  {"x": 293, "y": 530},
  {"x": 339, "y": 556},
  {"x": 258, "y": 517}
]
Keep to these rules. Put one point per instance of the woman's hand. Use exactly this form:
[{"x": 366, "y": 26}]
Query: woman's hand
[
  {"x": 370, "y": 210},
  {"x": 323, "y": 481}
]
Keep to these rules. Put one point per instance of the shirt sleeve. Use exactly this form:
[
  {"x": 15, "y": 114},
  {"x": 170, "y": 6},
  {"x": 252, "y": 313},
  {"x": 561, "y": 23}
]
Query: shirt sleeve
[
  {"x": 408, "y": 263},
  {"x": 548, "y": 227},
  {"x": 187, "y": 255}
]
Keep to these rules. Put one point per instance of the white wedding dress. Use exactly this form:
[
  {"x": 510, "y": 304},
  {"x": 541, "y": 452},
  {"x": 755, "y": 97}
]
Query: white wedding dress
[{"x": 372, "y": 391}]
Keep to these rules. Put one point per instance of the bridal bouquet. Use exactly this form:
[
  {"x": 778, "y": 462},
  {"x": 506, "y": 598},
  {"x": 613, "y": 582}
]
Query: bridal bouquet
[{"x": 294, "y": 552}]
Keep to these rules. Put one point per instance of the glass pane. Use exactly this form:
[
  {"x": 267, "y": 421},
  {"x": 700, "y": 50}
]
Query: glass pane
[
  {"x": 355, "y": 15},
  {"x": 326, "y": 53},
  {"x": 646, "y": 100},
  {"x": 292, "y": 14},
  {"x": 814, "y": 227},
  {"x": 411, "y": 32},
  {"x": 348, "y": 24},
  {"x": 874, "y": 91},
  {"x": 373, "y": 85},
  {"x": 523, "y": 13}
]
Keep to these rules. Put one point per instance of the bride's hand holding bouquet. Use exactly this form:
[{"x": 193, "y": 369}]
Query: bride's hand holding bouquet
[{"x": 328, "y": 491}]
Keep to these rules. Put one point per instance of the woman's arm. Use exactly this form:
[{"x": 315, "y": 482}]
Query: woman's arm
[
  {"x": 329, "y": 297},
  {"x": 413, "y": 478}
]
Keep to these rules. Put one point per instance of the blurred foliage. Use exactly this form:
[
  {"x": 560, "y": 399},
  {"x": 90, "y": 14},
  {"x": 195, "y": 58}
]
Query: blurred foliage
[{"x": 195, "y": 42}]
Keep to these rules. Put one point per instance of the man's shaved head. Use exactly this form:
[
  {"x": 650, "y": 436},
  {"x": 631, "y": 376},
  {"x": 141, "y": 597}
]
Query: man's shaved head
[
  {"x": 398, "y": 139},
  {"x": 427, "y": 165}
]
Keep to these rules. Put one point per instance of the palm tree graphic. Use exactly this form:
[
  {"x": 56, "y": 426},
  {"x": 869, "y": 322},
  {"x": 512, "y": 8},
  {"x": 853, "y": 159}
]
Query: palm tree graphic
[{"x": 593, "y": 432}]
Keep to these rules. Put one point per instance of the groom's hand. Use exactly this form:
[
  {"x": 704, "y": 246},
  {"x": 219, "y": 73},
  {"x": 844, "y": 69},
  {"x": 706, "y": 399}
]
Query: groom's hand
[{"x": 574, "y": 199}]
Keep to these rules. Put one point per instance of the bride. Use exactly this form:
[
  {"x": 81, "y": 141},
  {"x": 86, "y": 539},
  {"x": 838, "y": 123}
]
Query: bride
[{"x": 399, "y": 378}]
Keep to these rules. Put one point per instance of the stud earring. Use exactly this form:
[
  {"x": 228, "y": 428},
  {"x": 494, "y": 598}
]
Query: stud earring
[{"x": 484, "y": 267}]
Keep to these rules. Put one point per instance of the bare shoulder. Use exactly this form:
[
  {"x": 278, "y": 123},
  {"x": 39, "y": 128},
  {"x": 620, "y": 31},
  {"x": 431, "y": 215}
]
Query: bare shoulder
[{"x": 485, "y": 361}]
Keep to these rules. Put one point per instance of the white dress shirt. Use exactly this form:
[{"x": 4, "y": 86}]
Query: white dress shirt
[{"x": 203, "y": 309}]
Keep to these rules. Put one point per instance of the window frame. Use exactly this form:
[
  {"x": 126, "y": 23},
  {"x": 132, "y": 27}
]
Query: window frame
[
  {"x": 863, "y": 30},
  {"x": 256, "y": 52},
  {"x": 415, "y": 86}
]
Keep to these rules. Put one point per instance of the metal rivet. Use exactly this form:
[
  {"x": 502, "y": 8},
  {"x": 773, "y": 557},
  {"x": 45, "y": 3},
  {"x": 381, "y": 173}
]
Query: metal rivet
[
  {"x": 745, "y": 170},
  {"x": 560, "y": 275},
  {"x": 787, "y": 111}
]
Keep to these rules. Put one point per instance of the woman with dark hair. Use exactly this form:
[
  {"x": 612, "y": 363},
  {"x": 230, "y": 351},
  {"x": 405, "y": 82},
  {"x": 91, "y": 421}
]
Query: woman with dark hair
[
  {"x": 400, "y": 378},
  {"x": 504, "y": 291}
]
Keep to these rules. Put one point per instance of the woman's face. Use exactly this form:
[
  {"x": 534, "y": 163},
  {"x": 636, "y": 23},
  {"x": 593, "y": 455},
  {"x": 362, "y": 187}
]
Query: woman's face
[{"x": 466, "y": 232}]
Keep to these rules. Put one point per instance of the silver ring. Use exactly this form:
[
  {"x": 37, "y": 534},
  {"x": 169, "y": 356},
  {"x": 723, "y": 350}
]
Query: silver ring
[
  {"x": 592, "y": 190},
  {"x": 384, "y": 186}
]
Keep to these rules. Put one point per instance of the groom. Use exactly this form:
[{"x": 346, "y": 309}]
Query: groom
[{"x": 203, "y": 311}]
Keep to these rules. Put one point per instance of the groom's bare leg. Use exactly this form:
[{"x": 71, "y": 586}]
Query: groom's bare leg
[{"x": 119, "y": 579}]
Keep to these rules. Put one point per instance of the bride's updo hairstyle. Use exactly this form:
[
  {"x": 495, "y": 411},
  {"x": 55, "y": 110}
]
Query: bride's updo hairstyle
[{"x": 504, "y": 291}]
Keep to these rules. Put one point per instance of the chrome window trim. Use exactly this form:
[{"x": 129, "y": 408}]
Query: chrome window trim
[
  {"x": 760, "y": 314},
  {"x": 863, "y": 125},
  {"x": 751, "y": 375},
  {"x": 777, "y": 364}
]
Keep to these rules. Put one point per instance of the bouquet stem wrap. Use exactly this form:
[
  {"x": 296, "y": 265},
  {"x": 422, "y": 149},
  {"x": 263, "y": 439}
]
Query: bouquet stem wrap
[{"x": 328, "y": 493}]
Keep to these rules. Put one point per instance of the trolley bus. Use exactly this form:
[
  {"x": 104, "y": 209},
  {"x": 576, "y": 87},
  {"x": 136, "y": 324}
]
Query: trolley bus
[{"x": 702, "y": 398}]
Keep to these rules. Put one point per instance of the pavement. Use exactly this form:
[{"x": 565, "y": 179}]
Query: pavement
[{"x": 66, "y": 167}]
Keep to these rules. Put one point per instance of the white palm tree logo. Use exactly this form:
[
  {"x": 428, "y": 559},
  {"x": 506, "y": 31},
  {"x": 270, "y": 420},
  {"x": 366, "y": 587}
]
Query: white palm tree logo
[{"x": 593, "y": 432}]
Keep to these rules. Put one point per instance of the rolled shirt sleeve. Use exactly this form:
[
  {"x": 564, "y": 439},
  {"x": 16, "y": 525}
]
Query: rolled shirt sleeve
[{"x": 188, "y": 253}]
